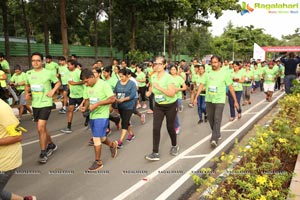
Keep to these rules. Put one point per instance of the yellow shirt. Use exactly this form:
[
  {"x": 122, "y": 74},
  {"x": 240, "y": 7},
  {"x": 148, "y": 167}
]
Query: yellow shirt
[
  {"x": 10, "y": 155},
  {"x": 2, "y": 82}
]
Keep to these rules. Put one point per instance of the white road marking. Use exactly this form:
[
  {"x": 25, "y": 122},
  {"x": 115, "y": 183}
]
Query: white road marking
[
  {"x": 180, "y": 181},
  {"x": 200, "y": 164},
  {"x": 229, "y": 130},
  {"x": 194, "y": 156}
]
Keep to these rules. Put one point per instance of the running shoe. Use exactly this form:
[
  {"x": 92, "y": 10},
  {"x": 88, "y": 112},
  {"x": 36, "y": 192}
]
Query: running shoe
[
  {"x": 153, "y": 157},
  {"x": 138, "y": 106},
  {"x": 62, "y": 111},
  {"x": 174, "y": 150},
  {"x": 59, "y": 97},
  {"x": 114, "y": 149},
  {"x": 143, "y": 118},
  {"x": 213, "y": 144},
  {"x": 66, "y": 130},
  {"x": 191, "y": 105},
  {"x": 200, "y": 121},
  {"x": 96, "y": 165},
  {"x": 120, "y": 145},
  {"x": 130, "y": 137},
  {"x": 43, "y": 158},
  {"x": 51, "y": 148},
  {"x": 144, "y": 106}
]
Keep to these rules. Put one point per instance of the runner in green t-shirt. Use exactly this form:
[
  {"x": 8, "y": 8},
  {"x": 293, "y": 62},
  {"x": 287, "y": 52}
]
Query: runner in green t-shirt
[
  {"x": 63, "y": 74},
  {"x": 269, "y": 74},
  {"x": 238, "y": 79},
  {"x": 76, "y": 92},
  {"x": 18, "y": 80},
  {"x": 100, "y": 97},
  {"x": 180, "y": 86},
  {"x": 50, "y": 65},
  {"x": 249, "y": 77},
  {"x": 257, "y": 75},
  {"x": 162, "y": 85},
  {"x": 38, "y": 87},
  {"x": 201, "y": 105},
  {"x": 141, "y": 79},
  {"x": 215, "y": 83}
]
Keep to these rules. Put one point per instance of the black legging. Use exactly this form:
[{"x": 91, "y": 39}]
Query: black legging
[
  {"x": 142, "y": 92},
  {"x": 160, "y": 111}
]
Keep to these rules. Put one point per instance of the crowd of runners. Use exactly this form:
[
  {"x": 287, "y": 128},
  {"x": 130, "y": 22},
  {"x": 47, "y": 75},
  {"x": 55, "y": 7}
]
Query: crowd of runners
[{"x": 117, "y": 92}]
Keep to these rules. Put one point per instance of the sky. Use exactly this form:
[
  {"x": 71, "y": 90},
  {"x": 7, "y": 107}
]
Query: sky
[{"x": 275, "y": 21}]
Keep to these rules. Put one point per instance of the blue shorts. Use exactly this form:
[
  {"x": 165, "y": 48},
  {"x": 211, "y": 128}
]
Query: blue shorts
[{"x": 98, "y": 127}]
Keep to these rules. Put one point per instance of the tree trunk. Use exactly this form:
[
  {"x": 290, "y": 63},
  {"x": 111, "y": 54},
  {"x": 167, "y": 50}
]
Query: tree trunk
[
  {"x": 170, "y": 28},
  {"x": 5, "y": 28},
  {"x": 133, "y": 27},
  {"x": 64, "y": 27},
  {"x": 27, "y": 34},
  {"x": 96, "y": 34},
  {"x": 110, "y": 30},
  {"x": 46, "y": 30}
]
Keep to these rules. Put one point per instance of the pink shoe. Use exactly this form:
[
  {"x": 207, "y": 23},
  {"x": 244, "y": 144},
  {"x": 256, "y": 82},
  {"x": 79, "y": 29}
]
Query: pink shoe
[
  {"x": 144, "y": 106},
  {"x": 138, "y": 106},
  {"x": 150, "y": 111}
]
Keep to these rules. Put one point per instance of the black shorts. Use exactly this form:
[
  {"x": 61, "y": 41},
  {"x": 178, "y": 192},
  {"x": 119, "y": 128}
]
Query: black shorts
[
  {"x": 64, "y": 88},
  {"x": 41, "y": 113},
  {"x": 74, "y": 101}
]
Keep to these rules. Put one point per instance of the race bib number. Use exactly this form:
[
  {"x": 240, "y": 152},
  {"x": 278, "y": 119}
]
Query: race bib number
[
  {"x": 235, "y": 84},
  {"x": 160, "y": 98},
  {"x": 269, "y": 77},
  {"x": 212, "y": 90},
  {"x": 120, "y": 95},
  {"x": 37, "y": 88},
  {"x": 94, "y": 100}
]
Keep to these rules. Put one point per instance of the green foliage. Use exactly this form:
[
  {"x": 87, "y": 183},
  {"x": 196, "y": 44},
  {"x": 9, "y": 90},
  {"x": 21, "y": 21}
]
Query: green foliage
[
  {"x": 266, "y": 168},
  {"x": 138, "y": 56},
  {"x": 296, "y": 86}
]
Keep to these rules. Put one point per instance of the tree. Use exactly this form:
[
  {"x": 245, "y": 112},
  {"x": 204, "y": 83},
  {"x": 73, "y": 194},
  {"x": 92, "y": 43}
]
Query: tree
[
  {"x": 27, "y": 32},
  {"x": 4, "y": 9},
  {"x": 64, "y": 27}
]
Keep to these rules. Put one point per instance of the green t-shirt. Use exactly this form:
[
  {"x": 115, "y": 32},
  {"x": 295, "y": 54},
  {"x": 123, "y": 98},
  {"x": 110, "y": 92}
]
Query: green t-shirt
[
  {"x": 216, "y": 82},
  {"x": 114, "y": 75},
  {"x": 208, "y": 68},
  {"x": 163, "y": 82},
  {"x": 64, "y": 74},
  {"x": 140, "y": 76},
  {"x": 248, "y": 77},
  {"x": 257, "y": 74},
  {"x": 112, "y": 82},
  {"x": 269, "y": 75},
  {"x": 5, "y": 65},
  {"x": 178, "y": 82},
  {"x": 52, "y": 66},
  {"x": 40, "y": 85},
  {"x": 197, "y": 80},
  {"x": 281, "y": 71},
  {"x": 101, "y": 91},
  {"x": 17, "y": 78},
  {"x": 2, "y": 82},
  {"x": 132, "y": 69},
  {"x": 75, "y": 90},
  {"x": 236, "y": 85}
]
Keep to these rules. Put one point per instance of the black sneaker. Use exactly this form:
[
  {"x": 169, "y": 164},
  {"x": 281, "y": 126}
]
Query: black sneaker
[
  {"x": 66, "y": 130},
  {"x": 152, "y": 157},
  {"x": 205, "y": 118},
  {"x": 43, "y": 158},
  {"x": 174, "y": 150},
  {"x": 213, "y": 144},
  {"x": 96, "y": 165},
  {"x": 51, "y": 148},
  {"x": 200, "y": 121}
]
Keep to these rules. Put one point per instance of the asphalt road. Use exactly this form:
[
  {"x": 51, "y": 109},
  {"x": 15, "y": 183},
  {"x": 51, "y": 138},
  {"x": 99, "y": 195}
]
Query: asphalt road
[{"x": 129, "y": 175}]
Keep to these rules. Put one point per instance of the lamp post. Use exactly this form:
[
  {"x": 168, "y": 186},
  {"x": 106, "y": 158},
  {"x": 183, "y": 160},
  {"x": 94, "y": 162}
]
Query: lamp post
[{"x": 235, "y": 41}]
